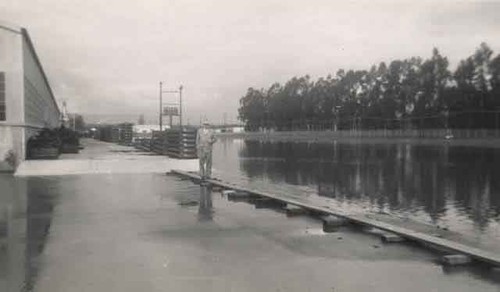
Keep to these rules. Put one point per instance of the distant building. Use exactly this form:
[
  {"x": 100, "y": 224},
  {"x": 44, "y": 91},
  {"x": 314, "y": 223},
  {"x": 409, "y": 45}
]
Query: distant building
[
  {"x": 236, "y": 129},
  {"x": 126, "y": 133},
  {"x": 27, "y": 103},
  {"x": 145, "y": 131}
]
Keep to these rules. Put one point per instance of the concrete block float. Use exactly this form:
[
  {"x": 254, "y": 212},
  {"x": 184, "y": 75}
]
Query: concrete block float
[
  {"x": 216, "y": 188},
  {"x": 332, "y": 223},
  {"x": 456, "y": 260},
  {"x": 261, "y": 203},
  {"x": 226, "y": 193},
  {"x": 292, "y": 210},
  {"x": 235, "y": 195},
  {"x": 388, "y": 237}
]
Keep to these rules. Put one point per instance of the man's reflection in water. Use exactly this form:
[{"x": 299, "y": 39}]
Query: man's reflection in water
[{"x": 205, "y": 210}]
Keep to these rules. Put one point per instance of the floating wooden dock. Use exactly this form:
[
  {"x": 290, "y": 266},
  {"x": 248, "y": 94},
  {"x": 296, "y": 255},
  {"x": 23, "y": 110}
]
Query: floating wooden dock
[{"x": 436, "y": 242}]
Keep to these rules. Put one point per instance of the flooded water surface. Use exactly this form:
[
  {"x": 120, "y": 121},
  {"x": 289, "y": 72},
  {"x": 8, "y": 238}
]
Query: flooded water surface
[
  {"x": 154, "y": 232},
  {"x": 449, "y": 186}
]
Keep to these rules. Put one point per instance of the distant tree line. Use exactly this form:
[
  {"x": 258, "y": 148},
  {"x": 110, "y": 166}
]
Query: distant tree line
[
  {"x": 406, "y": 94},
  {"x": 76, "y": 122}
]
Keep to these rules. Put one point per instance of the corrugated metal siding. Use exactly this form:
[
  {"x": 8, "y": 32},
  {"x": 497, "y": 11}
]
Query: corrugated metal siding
[{"x": 40, "y": 108}]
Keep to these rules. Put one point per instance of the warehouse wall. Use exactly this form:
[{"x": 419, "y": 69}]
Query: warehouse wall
[
  {"x": 40, "y": 109},
  {"x": 11, "y": 129},
  {"x": 30, "y": 105}
]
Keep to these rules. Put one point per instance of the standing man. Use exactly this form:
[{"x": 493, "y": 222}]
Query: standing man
[{"x": 205, "y": 138}]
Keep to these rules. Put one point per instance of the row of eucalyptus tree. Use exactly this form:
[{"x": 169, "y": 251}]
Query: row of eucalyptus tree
[{"x": 410, "y": 93}]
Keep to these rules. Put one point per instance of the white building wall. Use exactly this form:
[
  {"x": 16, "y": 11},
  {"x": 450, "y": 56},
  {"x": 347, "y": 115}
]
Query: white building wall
[
  {"x": 11, "y": 62},
  {"x": 40, "y": 108},
  {"x": 30, "y": 105}
]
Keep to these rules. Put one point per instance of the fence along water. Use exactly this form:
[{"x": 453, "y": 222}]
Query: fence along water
[{"x": 470, "y": 124}]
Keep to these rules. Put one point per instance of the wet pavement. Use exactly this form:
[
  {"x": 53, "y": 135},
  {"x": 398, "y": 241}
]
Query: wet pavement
[
  {"x": 103, "y": 157},
  {"x": 153, "y": 232}
]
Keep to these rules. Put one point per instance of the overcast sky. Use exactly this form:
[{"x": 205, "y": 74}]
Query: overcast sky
[{"x": 107, "y": 57}]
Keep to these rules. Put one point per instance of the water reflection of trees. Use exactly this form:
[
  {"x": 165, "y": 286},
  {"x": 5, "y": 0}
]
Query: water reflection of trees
[{"x": 399, "y": 176}]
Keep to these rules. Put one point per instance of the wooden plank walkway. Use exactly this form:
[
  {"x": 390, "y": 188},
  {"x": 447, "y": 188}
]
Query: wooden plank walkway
[{"x": 424, "y": 238}]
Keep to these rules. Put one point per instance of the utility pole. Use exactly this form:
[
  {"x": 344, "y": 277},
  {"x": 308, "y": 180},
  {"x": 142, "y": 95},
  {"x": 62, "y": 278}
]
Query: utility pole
[
  {"x": 180, "y": 106},
  {"x": 64, "y": 115},
  {"x": 161, "y": 105},
  {"x": 171, "y": 104}
]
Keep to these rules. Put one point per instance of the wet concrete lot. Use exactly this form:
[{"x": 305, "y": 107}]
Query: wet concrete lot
[{"x": 153, "y": 232}]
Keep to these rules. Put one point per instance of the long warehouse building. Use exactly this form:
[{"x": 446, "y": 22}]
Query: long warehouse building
[{"x": 27, "y": 103}]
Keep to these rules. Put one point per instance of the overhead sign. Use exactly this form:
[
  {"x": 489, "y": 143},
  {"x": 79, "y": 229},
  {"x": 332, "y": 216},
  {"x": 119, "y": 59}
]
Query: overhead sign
[{"x": 170, "y": 111}]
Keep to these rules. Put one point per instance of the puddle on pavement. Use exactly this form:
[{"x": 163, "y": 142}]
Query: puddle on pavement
[{"x": 28, "y": 208}]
